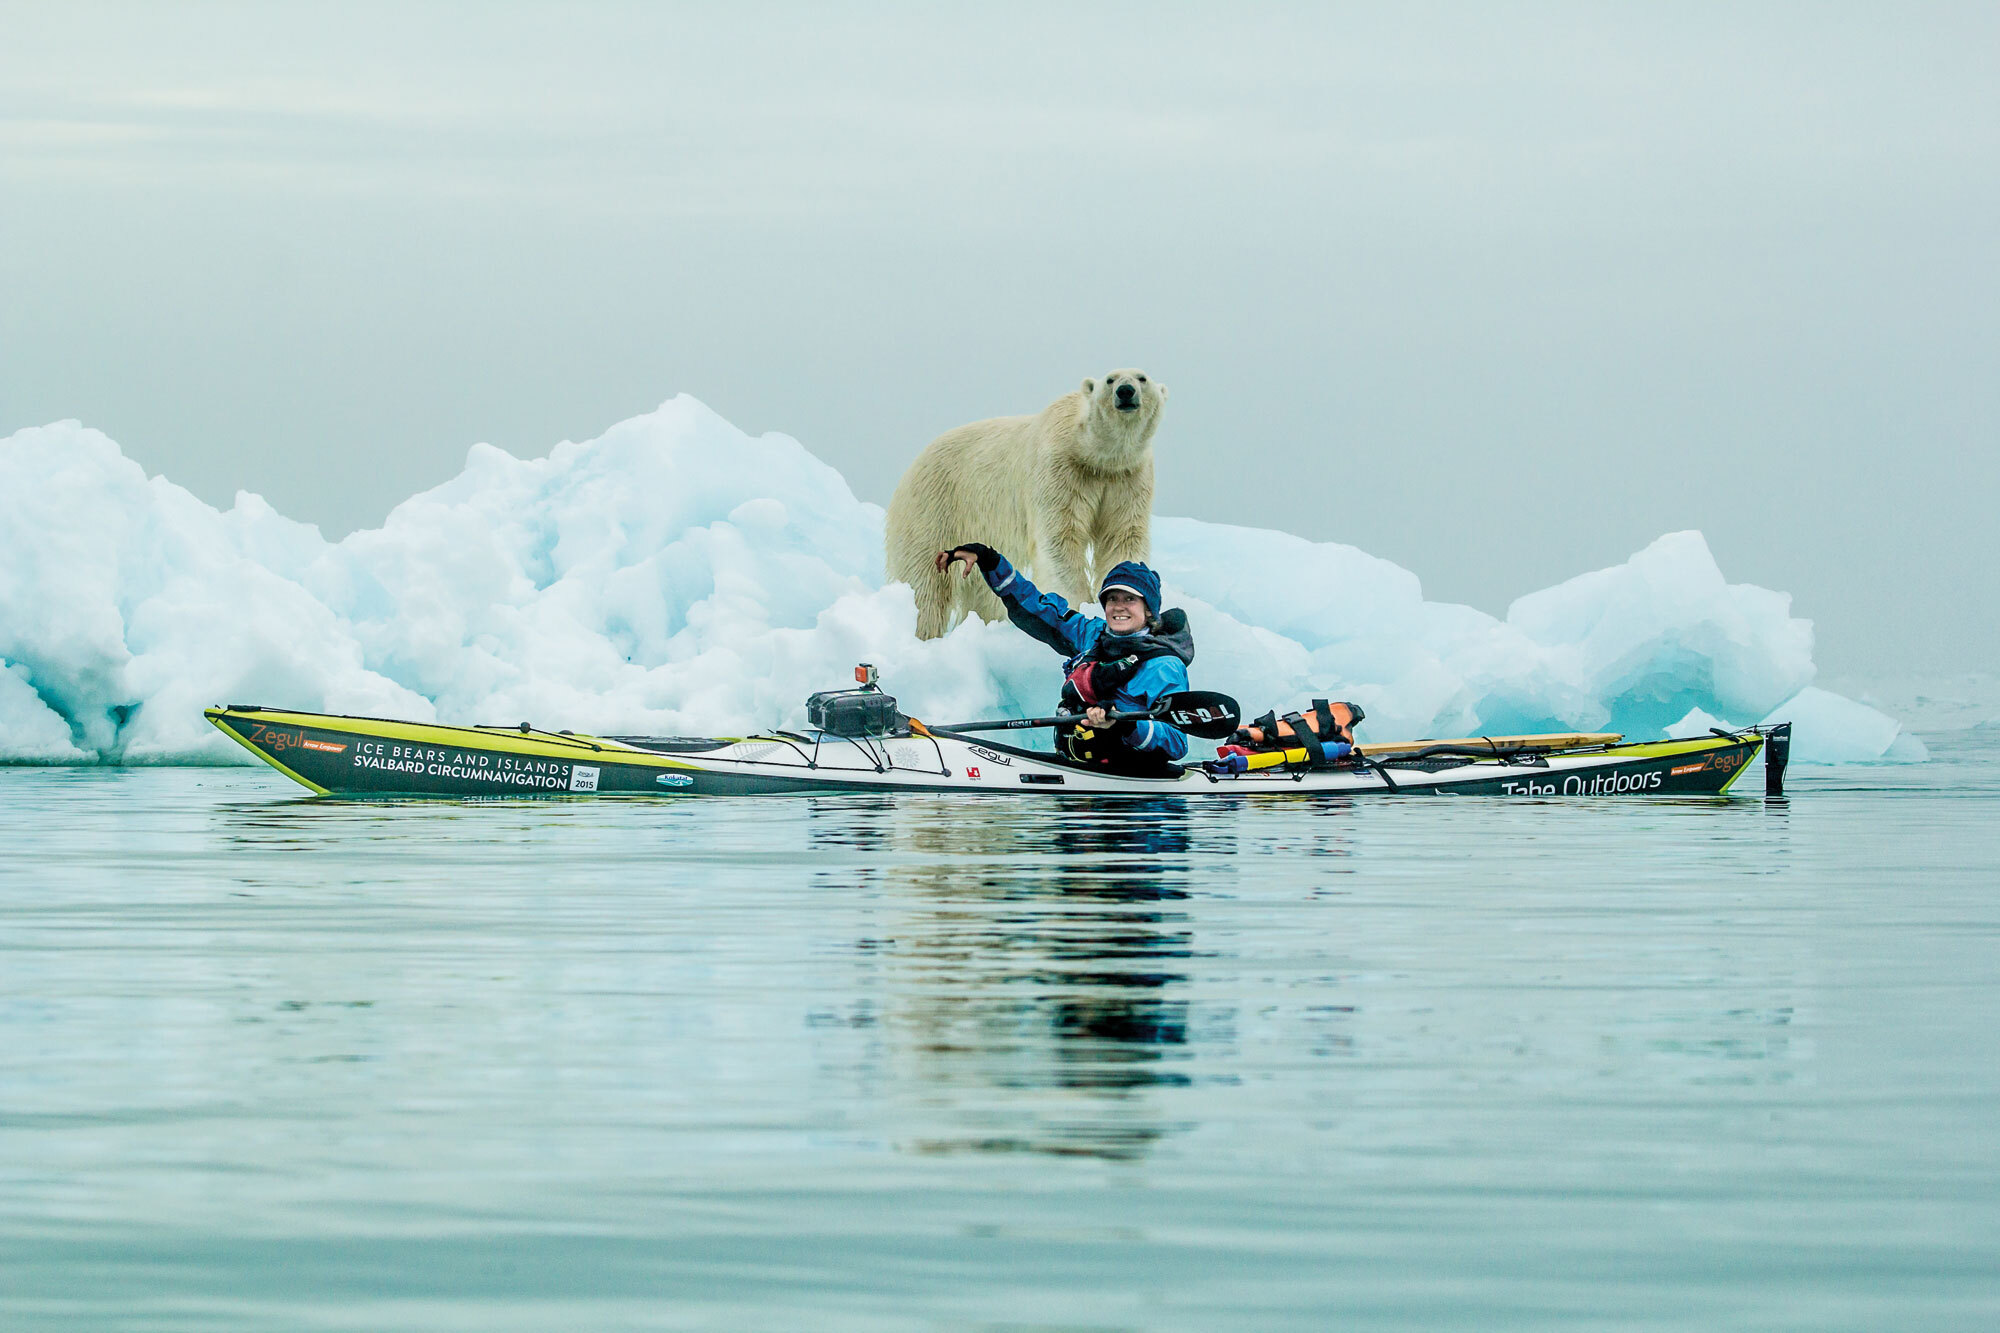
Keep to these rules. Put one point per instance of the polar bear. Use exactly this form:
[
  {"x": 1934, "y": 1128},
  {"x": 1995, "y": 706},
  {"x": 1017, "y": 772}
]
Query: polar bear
[{"x": 1067, "y": 493}]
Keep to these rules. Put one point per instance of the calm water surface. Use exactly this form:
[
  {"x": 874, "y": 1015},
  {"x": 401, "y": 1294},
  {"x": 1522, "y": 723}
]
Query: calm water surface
[{"x": 854, "y": 1062}]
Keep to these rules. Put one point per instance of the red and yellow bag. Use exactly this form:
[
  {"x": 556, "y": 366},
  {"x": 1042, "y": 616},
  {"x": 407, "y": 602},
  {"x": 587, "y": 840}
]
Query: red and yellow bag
[{"x": 1303, "y": 737}]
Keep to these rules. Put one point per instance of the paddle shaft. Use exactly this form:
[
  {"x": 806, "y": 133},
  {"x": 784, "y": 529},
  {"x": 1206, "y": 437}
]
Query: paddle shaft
[
  {"x": 1197, "y": 712},
  {"x": 1060, "y": 720}
]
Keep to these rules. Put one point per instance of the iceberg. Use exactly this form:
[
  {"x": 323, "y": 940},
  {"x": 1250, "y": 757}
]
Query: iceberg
[
  {"x": 1830, "y": 729},
  {"x": 675, "y": 575}
]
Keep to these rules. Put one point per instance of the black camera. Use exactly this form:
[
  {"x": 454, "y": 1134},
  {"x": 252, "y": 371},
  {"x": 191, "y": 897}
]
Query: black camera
[{"x": 863, "y": 712}]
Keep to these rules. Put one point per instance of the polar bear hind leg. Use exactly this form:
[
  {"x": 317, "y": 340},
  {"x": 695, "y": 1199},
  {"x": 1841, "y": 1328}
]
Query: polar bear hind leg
[
  {"x": 927, "y": 518},
  {"x": 914, "y": 541}
]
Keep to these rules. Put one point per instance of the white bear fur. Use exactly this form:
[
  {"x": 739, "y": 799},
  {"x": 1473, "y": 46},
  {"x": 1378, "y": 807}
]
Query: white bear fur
[{"x": 1066, "y": 494}]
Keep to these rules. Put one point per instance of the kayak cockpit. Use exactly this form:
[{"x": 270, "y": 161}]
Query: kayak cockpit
[{"x": 673, "y": 744}]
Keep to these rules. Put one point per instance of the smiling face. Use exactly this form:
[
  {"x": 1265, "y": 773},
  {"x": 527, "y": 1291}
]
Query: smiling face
[{"x": 1124, "y": 612}]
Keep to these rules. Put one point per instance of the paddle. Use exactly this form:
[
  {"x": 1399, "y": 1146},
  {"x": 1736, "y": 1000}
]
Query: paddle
[{"x": 1197, "y": 712}]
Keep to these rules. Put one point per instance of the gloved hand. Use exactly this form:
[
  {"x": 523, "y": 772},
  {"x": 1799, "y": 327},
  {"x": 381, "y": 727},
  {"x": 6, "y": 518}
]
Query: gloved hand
[{"x": 984, "y": 556}]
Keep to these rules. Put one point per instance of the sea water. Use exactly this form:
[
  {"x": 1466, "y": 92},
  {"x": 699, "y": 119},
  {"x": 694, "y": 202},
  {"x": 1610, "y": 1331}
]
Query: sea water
[{"x": 865, "y": 1062}]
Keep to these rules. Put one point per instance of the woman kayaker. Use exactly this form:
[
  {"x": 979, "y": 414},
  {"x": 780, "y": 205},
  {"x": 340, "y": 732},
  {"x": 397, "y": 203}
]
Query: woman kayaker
[{"x": 1123, "y": 663}]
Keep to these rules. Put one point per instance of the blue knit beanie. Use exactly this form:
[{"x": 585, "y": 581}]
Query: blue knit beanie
[{"x": 1136, "y": 579}]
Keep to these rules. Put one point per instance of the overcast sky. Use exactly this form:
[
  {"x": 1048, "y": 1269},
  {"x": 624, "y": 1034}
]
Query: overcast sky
[{"x": 1499, "y": 292}]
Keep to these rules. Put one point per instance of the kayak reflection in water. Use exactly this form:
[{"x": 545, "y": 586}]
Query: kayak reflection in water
[{"x": 1123, "y": 663}]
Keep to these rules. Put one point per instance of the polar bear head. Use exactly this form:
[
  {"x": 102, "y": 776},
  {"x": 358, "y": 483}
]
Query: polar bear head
[
  {"x": 1128, "y": 393},
  {"x": 1120, "y": 413}
]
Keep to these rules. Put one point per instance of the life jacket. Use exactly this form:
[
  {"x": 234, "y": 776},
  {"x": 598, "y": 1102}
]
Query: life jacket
[
  {"x": 1317, "y": 737},
  {"x": 1094, "y": 678}
]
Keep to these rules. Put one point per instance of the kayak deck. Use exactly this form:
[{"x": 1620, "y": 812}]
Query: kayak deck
[
  {"x": 1566, "y": 740},
  {"x": 358, "y": 756}
]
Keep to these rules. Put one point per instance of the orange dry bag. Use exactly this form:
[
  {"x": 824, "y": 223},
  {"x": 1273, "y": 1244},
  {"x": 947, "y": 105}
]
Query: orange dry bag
[{"x": 1317, "y": 737}]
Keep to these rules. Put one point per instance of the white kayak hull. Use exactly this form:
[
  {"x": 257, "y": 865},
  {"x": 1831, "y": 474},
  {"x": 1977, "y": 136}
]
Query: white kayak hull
[{"x": 348, "y": 756}]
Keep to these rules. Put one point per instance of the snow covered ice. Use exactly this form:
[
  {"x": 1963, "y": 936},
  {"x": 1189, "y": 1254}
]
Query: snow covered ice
[{"x": 676, "y": 576}]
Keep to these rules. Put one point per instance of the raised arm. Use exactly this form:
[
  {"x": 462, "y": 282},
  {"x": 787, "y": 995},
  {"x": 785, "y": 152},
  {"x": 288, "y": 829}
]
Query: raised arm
[{"x": 1043, "y": 615}]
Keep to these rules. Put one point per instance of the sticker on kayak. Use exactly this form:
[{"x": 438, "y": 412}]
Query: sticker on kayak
[
  {"x": 582, "y": 777},
  {"x": 674, "y": 780}
]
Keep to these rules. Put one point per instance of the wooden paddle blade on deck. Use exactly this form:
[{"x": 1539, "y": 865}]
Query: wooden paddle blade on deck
[{"x": 1567, "y": 740}]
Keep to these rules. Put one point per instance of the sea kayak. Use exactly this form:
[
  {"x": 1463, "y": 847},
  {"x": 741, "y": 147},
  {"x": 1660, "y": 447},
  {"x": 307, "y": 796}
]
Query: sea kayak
[{"x": 358, "y": 756}]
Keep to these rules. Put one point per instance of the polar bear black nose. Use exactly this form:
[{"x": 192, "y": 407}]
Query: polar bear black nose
[{"x": 1126, "y": 393}]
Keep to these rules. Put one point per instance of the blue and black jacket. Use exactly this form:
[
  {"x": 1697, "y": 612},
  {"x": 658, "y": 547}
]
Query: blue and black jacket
[{"x": 1139, "y": 669}]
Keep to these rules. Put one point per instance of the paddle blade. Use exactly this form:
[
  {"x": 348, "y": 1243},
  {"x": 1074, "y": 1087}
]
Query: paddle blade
[{"x": 1201, "y": 713}]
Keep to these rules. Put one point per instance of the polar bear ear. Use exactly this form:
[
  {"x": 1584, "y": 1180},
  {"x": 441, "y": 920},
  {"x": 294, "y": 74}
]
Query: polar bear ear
[{"x": 1089, "y": 388}]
